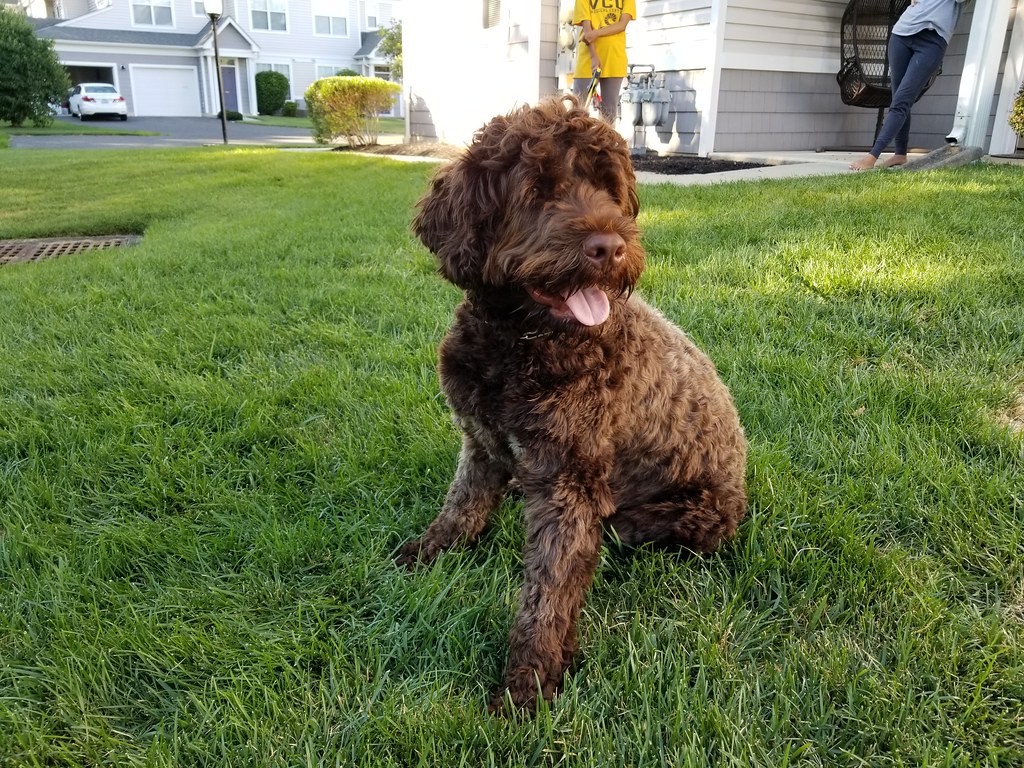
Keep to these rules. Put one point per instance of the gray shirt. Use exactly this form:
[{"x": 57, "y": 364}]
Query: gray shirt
[{"x": 940, "y": 15}]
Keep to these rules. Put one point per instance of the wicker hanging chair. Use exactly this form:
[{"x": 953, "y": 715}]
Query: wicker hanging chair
[{"x": 864, "y": 40}]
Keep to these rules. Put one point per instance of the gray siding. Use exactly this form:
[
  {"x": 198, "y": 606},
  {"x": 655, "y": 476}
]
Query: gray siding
[
  {"x": 776, "y": 88},
  {"x": 786, "y": 111}
]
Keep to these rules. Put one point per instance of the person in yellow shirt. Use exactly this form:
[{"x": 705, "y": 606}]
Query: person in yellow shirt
[{"x": 601, "y": 51}]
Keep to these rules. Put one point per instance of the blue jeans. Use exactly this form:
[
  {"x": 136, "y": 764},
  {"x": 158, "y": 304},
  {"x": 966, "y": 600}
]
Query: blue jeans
[{"x": 912, "y": 60}]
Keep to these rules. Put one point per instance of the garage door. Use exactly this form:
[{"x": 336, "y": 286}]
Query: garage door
[{"x": 165, "y": 92}]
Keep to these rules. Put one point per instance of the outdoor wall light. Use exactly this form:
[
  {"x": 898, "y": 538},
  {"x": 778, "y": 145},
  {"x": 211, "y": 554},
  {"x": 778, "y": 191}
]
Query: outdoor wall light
[{"x": 214, "y": 9}]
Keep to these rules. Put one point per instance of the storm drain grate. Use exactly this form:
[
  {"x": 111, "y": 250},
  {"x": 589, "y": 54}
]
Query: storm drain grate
[{"x": 41, "y": 249}]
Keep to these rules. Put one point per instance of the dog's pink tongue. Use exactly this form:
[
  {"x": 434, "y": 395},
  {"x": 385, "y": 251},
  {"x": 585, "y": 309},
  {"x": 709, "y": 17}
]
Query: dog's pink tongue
[{"x": 589, "y": 306}]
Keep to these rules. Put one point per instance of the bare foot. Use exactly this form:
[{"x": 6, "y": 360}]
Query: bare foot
[
  {"x": 895, "y": 160},
  {"x": 866, "y": 163}
]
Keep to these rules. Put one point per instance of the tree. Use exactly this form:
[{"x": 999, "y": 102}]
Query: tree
[
  {"x": 31, "y": 76},
  {"x": 390, "y": 47}
]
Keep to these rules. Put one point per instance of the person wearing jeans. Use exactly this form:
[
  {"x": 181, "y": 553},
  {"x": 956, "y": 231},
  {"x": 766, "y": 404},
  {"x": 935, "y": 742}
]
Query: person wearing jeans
[{"x": 916, "y": 47}]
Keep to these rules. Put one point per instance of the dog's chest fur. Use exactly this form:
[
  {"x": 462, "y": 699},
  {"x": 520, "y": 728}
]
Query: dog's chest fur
[
  {"x": 495, "y": 371},
  {"x": 599, "y": 392}
]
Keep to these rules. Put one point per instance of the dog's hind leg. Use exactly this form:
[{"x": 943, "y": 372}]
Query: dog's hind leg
[
  {"x": 699, "y": 519},
  {"x": 478, "y": 488}
]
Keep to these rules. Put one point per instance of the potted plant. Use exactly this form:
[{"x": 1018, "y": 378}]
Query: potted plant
[{"x": 1016, "y": 118}]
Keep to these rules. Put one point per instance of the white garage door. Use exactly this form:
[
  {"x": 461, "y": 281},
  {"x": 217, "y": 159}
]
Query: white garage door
[{"x": 165, "y": 92}]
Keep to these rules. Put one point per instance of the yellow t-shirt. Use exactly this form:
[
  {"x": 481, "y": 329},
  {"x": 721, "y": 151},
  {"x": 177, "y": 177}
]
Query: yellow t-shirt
[{"x": 612, "y": 49}]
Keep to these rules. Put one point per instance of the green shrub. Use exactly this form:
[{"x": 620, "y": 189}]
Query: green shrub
[
  {"x": 348, "y": 107},
  {"x": 271, "y": 92},
  {"x": 1016, "y": 119},
  {"x": 232, "y": 115},
  {"x": 290, "y": 109},
  {"x": 32, "y": 77}
]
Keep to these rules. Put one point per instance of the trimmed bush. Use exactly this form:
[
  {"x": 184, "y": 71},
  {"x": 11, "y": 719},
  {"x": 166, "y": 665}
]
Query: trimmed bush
[
  {"x": 290, "y": 109},
  {"x": 271, "y": 92},
  {"x": 1016, "y": 119},
  {"x": 349, "y": 108}
]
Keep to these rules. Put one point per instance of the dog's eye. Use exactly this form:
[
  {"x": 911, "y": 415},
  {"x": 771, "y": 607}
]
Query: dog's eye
[{"x": 541, "y": 190}]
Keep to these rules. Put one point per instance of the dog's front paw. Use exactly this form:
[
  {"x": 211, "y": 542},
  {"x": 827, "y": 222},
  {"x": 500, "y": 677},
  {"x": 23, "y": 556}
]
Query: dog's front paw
[
  {"x": 522, "y": 692},
  {"x": 502, "y": 704},
  {"x": 412, "y": 554}
]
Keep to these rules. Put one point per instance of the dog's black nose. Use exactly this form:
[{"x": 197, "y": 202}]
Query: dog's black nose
[{"x": 604, "y": 247}]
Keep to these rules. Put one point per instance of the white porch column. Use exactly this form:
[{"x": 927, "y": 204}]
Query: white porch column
[
  {"x": 981, "y": 69},
  {"x": 1004, "y": 140},
  {"x": 711, "y": 80},
  {"x": 210, "y": 101},
  {"x": 250, "y": 81}
]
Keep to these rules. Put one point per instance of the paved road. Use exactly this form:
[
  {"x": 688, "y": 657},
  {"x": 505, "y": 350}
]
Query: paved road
[{"x": 174, "y": 132}]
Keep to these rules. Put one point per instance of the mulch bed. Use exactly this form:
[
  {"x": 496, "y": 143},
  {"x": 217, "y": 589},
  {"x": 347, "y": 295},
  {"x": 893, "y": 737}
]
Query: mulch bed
[
  {"x": 676, "y": 165},
  {"x": 681, "y": 165}
]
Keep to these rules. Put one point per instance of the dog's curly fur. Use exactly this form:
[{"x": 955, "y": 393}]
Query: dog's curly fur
[{"x": 564, "y": 384}]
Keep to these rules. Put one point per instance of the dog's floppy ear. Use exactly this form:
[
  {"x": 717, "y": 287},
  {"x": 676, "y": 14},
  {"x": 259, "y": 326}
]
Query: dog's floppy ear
[{"x": 449, "y": 223}]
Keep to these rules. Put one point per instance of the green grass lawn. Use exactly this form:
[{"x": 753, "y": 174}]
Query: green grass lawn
[{"x": 211, "y": 444}]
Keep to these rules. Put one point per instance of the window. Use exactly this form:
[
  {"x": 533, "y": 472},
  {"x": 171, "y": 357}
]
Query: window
[
  {"x": 375, "y": 15},
  {"x": 198, "y": 9},
  {"x": 322, "y": 71},
  {"x": 270, "y": 15},
  {"x": 152, "y": 13},
  {"x": 328, "y": 19}
]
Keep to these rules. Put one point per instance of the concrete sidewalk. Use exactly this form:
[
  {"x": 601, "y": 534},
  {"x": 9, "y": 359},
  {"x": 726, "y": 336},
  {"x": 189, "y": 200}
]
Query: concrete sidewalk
[{"x": 788, "y": 165}]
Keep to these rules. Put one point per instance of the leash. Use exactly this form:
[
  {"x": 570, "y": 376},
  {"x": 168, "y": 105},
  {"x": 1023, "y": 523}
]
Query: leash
[{"x": 592, "y": 94}]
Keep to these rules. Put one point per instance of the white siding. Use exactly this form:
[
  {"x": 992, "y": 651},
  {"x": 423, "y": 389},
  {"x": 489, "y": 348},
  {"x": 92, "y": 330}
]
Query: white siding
[
  {"x": 302, "y": 57},
  {"x": 298, "y": 47},
  {"x": 118, "y": 15},
  {"x": 71, "y": 8},
  {"x": 458, "y": 75}
]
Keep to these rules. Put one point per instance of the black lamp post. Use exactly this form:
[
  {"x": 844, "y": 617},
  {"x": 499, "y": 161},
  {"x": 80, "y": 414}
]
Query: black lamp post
[{"x": 214, "y": 9}]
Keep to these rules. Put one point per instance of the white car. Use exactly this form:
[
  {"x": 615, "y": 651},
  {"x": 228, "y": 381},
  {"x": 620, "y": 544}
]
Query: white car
[{"x": 88, "y": 99}]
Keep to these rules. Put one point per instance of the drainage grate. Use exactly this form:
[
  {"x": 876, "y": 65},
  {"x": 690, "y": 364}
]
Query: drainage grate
[{"x": 14, "y": 251}]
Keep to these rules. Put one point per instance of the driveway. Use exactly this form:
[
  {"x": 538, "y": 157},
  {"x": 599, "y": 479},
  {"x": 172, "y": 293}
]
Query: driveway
[{"x": 173, "y": 132}]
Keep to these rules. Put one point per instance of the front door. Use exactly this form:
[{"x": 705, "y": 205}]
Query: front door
[{"x": 227, "y": 74}]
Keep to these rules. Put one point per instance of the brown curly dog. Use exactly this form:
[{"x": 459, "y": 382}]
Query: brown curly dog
[{"x": 603, "y": 413}]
